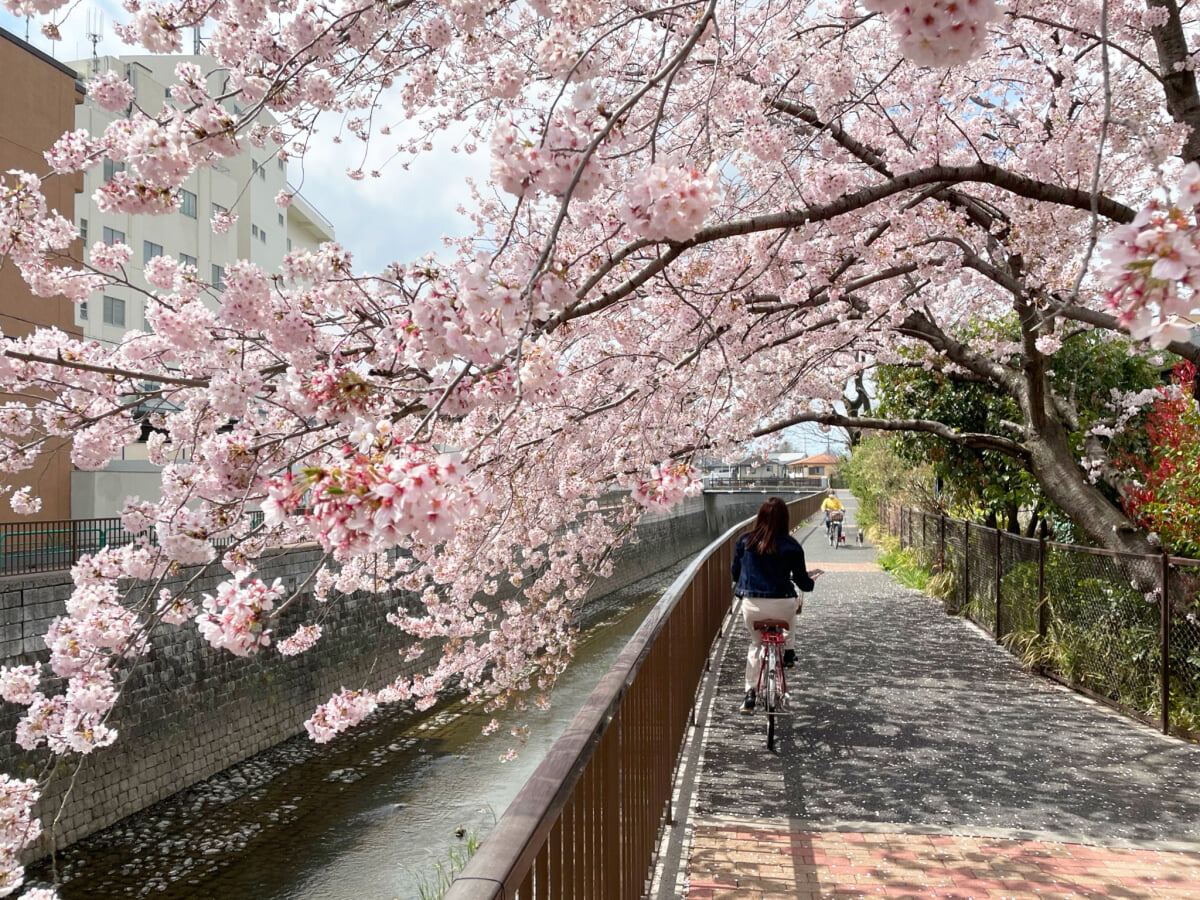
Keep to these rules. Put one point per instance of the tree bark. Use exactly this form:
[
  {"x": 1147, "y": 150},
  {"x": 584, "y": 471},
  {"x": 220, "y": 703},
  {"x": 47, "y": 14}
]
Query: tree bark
[{"x": 1179, "y": 85}]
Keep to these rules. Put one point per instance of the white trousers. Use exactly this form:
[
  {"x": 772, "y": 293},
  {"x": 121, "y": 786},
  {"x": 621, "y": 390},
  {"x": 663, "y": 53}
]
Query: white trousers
[{"x": 757, "y": 608}]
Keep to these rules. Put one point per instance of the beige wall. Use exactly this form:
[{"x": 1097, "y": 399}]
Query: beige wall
[{"x": 37, "y": 104}]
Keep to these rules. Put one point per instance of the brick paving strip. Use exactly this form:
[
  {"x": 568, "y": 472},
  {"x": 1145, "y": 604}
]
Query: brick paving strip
[
  {"x": 765, "y": 861},
  {"x": 917, "y": 759}
]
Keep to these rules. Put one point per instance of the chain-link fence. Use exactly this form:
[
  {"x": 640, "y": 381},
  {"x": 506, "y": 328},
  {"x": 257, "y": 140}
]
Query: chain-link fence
[{"x": 1099, "y": 621}]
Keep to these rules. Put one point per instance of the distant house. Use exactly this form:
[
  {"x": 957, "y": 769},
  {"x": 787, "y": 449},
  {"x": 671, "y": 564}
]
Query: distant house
[
  {"x": 822, "y": 466},
  {"x": 772, "y": 468}
]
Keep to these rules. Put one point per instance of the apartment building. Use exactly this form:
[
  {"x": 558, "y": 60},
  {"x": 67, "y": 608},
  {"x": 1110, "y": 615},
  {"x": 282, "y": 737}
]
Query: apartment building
[
  {"x": 37, "y": 104},
  {"x": 245, "y": 185}
]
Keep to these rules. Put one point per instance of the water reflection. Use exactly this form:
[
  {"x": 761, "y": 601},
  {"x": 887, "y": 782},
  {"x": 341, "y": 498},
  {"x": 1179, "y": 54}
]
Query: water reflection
[{"x": 365, "y": 818}]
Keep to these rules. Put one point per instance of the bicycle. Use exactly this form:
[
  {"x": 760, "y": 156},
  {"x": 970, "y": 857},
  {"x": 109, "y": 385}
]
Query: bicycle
[
  {"x": 833, "y": 529},
  {"x": 772, "y": 680}
]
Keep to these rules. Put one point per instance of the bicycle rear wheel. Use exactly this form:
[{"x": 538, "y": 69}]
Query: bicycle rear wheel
[{"x": 771, "y": 694}]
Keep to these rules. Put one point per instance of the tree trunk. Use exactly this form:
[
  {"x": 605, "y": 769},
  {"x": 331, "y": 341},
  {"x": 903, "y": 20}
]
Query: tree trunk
[{"x": 1054, "y": 465}]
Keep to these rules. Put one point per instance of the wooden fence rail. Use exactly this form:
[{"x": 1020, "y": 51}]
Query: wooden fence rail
[{"x": 585, "y": 825}]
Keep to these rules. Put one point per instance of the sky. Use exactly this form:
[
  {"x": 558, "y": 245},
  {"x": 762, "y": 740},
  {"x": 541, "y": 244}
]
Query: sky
[{"x": 398, "y": 217}]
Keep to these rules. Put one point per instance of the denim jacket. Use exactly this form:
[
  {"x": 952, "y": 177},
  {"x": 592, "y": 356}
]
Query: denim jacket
[{"x": 772, "y": 575}]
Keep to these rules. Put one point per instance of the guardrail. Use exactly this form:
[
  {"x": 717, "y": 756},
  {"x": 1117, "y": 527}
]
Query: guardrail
[
  {"x": 585, "y": 825},
  {"x": 53, "y": 546},
  {"x": 1122, "y": 628}
]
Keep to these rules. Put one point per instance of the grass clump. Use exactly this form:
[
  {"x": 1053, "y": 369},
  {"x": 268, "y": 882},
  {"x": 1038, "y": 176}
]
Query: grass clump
[
  {"x": 445, "y": 871},
  {"x": 905, "y": 564}
]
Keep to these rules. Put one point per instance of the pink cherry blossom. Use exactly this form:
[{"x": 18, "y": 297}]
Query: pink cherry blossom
[
  {"x": 110, "y": 90},
  {"x": 303, "y": 639},
  {"x": 235, "y": 618},
  {"x": 344, "y": 710},
  {"x": 669, "y": 202},
  {"x": 695, "y": 231}
]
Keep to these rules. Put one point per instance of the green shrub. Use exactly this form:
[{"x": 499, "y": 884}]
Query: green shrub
[{"x": 905, "y": 564}]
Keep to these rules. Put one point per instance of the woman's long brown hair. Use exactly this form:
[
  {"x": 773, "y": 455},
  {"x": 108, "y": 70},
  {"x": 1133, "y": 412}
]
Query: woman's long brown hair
[{"x": 773, "y": 523}]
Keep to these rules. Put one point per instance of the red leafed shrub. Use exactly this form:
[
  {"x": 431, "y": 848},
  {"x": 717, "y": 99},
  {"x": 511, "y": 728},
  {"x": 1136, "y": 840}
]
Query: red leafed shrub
[{"x": 1167, "y": 498}]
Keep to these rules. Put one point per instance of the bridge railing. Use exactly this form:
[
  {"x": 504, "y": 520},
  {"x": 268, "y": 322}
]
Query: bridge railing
[
  {"x": 586, "y": 823},
  {"x": 1123, "y": 628}
]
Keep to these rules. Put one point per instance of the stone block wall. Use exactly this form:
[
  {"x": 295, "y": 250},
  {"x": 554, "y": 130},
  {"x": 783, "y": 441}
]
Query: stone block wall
[{"x": 189, "y": 711}]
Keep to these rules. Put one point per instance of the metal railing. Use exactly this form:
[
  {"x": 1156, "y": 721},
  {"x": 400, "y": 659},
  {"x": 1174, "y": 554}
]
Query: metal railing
[
  {"x": 1122, "y": 628},
  {"x": 586, "y": 823},
  {"x": 796, "y": 485},
  {"x": 56, "y": 545}
]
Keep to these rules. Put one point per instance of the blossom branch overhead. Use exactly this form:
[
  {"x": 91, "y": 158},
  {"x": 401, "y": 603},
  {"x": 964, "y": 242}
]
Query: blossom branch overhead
[{"x": 700, "y": 217}]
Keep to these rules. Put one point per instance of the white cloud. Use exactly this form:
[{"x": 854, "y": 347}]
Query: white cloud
[{"x": 400, "y": 216}]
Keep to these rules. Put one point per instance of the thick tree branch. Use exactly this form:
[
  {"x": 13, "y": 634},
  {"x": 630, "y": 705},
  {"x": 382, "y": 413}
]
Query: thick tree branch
[
  {"x": 975, "y": 440},
  {"x": 1185, "y": 349},
  {"x": 987, "y": 173}
]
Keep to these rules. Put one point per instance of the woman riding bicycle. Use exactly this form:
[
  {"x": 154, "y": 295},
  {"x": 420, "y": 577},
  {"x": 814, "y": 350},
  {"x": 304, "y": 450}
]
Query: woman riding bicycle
[
  {"x": 831, "y": 504},
  {"x": 768, "y": 566}
]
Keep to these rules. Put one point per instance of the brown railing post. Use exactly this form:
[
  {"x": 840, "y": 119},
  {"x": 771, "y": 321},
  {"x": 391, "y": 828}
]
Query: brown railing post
[
  {"x": 1042, "y": 599},
  {"x": 1165, "y": 619},
  {"x": 966, "y": 565},
  {"x": 999, "y": 538},
  {"x": 942, "y": 542}
]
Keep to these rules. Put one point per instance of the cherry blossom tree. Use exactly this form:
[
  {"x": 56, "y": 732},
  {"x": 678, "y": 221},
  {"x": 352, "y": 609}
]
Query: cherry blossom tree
[{"x": 703, "y": 220}]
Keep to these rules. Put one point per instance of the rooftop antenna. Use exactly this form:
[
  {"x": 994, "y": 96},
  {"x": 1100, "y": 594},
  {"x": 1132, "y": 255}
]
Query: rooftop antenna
[{"x": 95, "y": 33}]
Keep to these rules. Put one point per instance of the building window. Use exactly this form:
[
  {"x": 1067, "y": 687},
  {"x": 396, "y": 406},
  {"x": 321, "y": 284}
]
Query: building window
[
  {"x": 83, "y": 310},
  {"x": 254, "y": 231},
  {"x": 217, "y": 209},
  {"x": 816, "y": 470},
  {"x": 253, "y": 166},
  {"x": 262, "y": 235},
  {"x": 262, "y": 173},
  {"x": 150, "y": 250},
  {"x": 281, "y": 163},
  {"x": 112, "y": 236},
  {"x": 188, "y": 206},
  {"x": 186, "y": 260},
  {"x": 114, "y": 311},
  {"x": 111, "y": 168},
  {"x": 83, "y": 230},
  {"x": 289, "y": 240},
  {"x": 218, "y": 277},
  {"x": 281, "y": 218}
]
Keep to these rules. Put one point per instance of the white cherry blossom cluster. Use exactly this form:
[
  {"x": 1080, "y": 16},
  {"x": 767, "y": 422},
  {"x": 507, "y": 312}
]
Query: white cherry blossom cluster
[
  {"x": 344, "y": 710},
  {"x": 1151, "y": 267},
  {"x": 23, "y": 503},
  {"x": 938, "y": 32},
  {"x": 236, "y": 618},
  {"x": 666, "y": 485},
  {"x": 18, "y": 829},
  {"x": 550, "y": 162},
  {"x": 303, "y": 639},
  {"x": 369, "y": 503},
  {"x": 669, "y": 202}
]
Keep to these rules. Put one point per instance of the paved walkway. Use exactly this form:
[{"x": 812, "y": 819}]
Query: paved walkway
[{"x": 920, "y": 760}]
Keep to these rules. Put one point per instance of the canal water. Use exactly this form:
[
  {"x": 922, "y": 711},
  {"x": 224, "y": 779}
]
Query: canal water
[{"x": 368, "y": 817}]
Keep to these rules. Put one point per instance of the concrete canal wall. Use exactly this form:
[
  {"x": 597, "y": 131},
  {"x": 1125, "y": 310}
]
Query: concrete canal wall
[{"x": 189, "y": 711}]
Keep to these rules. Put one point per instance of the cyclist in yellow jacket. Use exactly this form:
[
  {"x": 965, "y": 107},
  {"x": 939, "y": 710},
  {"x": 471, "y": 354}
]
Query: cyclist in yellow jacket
[{"x": 830, "y": 504}]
